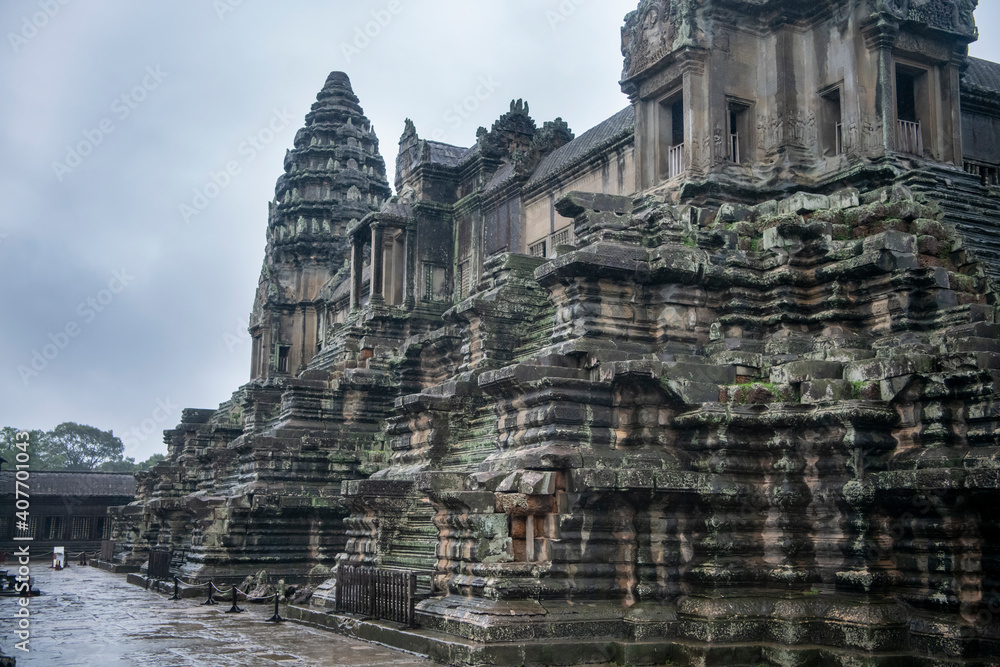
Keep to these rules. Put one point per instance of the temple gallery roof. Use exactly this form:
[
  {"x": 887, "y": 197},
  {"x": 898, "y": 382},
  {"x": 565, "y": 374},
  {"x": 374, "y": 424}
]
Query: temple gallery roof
[
  {"x": 594, "y": 139},
  {"x": 66, "y": 483},
  {"x": 983, "y": 74}
]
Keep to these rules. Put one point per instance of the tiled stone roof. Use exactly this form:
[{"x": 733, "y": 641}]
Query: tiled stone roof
[
  {"x": 983, "y": 75},
  {"x": 65, "y": 483},
  {"x": 446, "y": 154},
  {"x": 586, "y": 144}
]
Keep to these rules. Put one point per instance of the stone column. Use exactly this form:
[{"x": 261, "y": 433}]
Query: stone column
[
  {"x": 884, "y": 39},
  {"x": 951, "y": 86},
  {"x": 697, "y": 115},
  {"x": 410, "y": 277},
  {"x": 357, "y": 268},
  {"x": 378, "y": 254}
]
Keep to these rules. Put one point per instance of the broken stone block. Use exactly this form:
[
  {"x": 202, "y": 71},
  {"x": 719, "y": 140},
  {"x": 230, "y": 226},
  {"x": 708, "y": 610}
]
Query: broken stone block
[
  {"x": 825, "y": 391},
  {"x": 847, "y": 198},
  {"x": 802, "y": 203},
  {"x": 802, "y": 371},
  {"x": 730, "y": 213}
]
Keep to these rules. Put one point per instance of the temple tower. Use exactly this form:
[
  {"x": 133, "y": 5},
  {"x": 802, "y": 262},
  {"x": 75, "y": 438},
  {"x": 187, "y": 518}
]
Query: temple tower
[{"x": 335, "y": 174}]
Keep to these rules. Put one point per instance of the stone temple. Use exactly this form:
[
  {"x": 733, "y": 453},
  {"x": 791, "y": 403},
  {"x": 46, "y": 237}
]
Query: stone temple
[{"x": 716, "y": 382}]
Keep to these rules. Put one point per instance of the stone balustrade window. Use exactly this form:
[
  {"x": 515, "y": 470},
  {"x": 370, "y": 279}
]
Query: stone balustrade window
[
  {"x": 740, "y": 129},
  {"x": 671, "y": 139},
  {"x": 912, "y": 108},
  {"x": 80, "y": 528},
  {"x": 831, "y": 131},
  {"x": 53, "y": 528}
]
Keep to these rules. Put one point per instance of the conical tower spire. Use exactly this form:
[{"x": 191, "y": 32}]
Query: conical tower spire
[{"x": 334, "y": 174}]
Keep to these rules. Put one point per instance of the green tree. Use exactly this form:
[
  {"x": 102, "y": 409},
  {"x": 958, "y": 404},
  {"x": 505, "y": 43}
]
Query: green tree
[
  {"x": 71, "y": 446},
  {"x": 125, "y": 465},
  {"x": 151, "y": 461},
  {"x": 85, "y": 447},
  {"x": 41, "y": 456}
]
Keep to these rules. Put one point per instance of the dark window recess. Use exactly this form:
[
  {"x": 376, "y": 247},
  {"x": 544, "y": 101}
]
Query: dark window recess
[
  {"x": 283, "y": 359},
  {"x": 738, "y": 147},
  {"x": 101, "y": 531},
  {"x": 832, "y": 128},
  {"x": 671, "y": 137},
  {"x": 677, "y": 122},
  {"x": 906, "y": 97}
]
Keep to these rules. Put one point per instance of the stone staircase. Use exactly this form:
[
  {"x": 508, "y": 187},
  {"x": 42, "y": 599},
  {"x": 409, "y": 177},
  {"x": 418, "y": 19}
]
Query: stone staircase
[{"x": 973, "y": 208}]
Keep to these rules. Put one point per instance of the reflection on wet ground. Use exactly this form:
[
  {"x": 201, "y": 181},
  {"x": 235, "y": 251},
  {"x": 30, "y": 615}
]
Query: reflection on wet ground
[{"x": 90, "y": 618}]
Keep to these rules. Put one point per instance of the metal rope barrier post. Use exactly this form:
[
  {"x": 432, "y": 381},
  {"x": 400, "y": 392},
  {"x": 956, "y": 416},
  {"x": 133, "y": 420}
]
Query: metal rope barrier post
[
  {"x": 276, "y": 618},
  {"x": 210, "y": 599},
  {"x": 177, "y": 590},
  {"x": 234, "y": 609}
]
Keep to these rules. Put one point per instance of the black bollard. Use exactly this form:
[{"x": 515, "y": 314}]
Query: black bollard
[
  {"x": 210, "y": 599},
  {"x": 177, "y": 590},
  {"x": 234, "y": 609},
  {"x": 276, "y": 618}
]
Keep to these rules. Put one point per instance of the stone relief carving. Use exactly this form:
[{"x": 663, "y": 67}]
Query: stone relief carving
[
  {"x": 655, "y": 29},
  {"x": 811, "y": 133},
  {"x": 770, "y": 132},
  {"x": 871, "y": 135},
  {"x": 648, "y": 34},
  {"x": 915, "y": 44},
  {"x": 718, "y": 144},
  {"x": 777, "y": 128},
  {"x": 950, "y": 15},
  {"x": 796, "y": 127}
]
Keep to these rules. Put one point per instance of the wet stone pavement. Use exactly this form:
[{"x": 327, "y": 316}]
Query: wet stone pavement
[{"x": 90, "y": 618}]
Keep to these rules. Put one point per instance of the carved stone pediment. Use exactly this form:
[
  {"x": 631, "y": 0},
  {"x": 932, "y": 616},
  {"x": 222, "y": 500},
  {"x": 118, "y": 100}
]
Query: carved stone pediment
[
  {"x": 650, "y": 33},
  {"x": 955, "y": 16}
]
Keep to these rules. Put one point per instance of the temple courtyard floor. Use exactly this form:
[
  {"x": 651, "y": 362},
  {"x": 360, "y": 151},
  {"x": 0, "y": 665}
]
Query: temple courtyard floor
[{"x": 90, "y": 618}]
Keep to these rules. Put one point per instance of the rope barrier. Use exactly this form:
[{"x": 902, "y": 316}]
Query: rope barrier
[
  {"x": 276, "y": 618},
  {"x": 234, "y": 592},
  {"x": 210, "y": 599},
  {"x": 234, "y": 609}
]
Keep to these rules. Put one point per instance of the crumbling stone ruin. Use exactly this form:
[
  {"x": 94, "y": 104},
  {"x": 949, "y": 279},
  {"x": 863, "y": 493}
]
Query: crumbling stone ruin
[{"x": 715, "y": 382}]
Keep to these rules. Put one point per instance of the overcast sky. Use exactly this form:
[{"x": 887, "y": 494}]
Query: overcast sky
[{"x": 117, "y": 308}]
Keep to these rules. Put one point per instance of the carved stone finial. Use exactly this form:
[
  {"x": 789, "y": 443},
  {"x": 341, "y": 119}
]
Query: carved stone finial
[{"x": 409, "y": 131}]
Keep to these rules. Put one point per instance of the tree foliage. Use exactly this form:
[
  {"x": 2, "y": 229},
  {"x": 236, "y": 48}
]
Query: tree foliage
[
  {"x": 85, "y": 447},
  {"x": 72, "y": 446}
]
